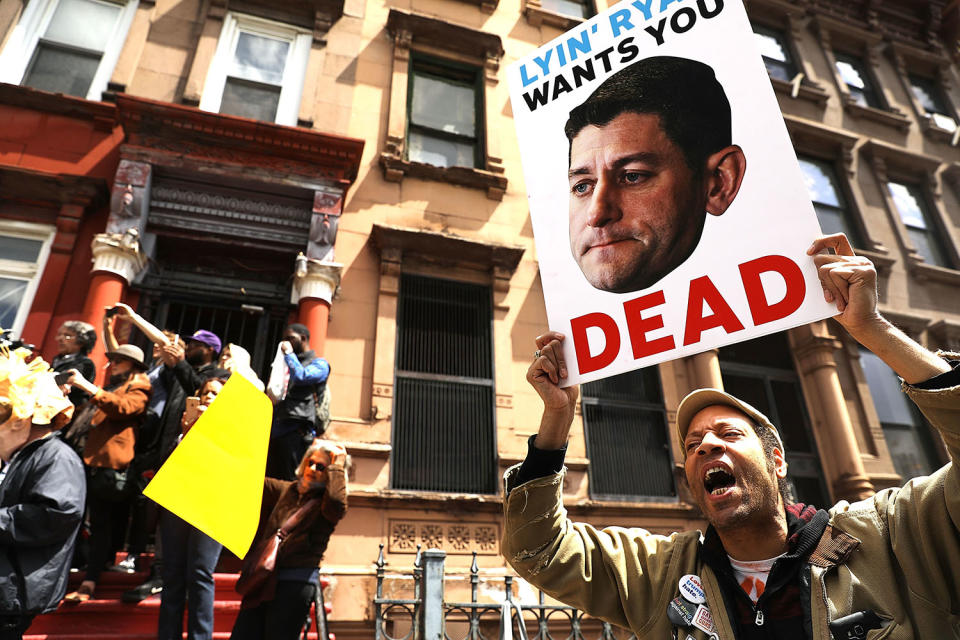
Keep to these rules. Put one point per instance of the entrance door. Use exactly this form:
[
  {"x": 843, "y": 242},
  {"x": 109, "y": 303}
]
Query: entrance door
[{"x": 257, "y": 329}]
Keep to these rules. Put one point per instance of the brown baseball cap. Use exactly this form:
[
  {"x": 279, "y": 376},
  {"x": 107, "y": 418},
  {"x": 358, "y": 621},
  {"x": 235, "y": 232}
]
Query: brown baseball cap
[{"x": 703, "y": 398}]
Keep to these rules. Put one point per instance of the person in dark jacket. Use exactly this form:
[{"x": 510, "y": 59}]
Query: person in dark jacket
[
  {"x": 75, "y": 339},
  {"x": 294, "y": 416},
  {"x": 42, "y": 491},
  {"x": 280, "y": 615}
]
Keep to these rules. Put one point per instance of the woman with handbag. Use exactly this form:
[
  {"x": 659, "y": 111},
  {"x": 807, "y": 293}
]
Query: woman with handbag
[
  {"x": 107, "y": 454},
  {"x": 279, "y": 576}
]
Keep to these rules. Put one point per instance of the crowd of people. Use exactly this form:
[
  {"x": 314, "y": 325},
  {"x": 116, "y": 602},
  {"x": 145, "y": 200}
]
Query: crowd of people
[{"x": 122, "y": 432}]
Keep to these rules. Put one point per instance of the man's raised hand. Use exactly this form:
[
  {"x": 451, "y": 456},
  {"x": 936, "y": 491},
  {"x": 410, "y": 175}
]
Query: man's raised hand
[
  {"x": 546, "y": 371},
  {"x": 848, "y": 280}
]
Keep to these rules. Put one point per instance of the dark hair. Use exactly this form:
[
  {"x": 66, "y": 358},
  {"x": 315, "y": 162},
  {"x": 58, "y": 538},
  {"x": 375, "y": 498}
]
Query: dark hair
[
  {"x": 86, "y": 335},
  {"x": 769, "y": 442},
  {"x": 296, "y": 327},
  {"x": 692, "y": 105}
]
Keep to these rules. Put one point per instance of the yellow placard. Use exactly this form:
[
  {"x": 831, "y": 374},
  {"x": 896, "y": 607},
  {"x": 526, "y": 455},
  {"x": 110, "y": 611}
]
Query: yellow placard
[{"x": 214, "y": 478}]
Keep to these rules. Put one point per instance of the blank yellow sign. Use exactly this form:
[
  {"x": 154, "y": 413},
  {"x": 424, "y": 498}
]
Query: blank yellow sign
[{"x": 214, "y": 478}]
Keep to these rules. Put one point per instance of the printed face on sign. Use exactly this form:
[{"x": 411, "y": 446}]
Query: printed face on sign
[{"x": 648, "y": 161}]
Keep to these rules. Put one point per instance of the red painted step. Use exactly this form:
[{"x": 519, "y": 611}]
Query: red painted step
[{"x": 108, "y": 618}]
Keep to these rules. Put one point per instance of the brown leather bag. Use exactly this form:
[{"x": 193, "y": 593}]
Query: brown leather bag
[{"x": 258, "y": 578}]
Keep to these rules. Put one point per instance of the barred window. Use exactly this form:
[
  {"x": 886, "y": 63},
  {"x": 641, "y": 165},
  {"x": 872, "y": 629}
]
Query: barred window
[
  {"x": 443, "y": 424},
  {"x": 625, "y": 424}
]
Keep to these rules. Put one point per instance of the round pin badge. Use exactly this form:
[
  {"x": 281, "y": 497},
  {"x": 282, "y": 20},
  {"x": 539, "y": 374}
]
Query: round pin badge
[{"x": 692, "y": 589}]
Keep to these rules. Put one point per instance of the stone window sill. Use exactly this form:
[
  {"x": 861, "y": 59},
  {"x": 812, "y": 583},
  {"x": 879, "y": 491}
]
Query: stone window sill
[
  {"x": 537, "y": 16},
  {"x": 935, "y": 132},
  {"x": 808, "y": 91},
  {"x": 893, "y": 119},
  {"x": 924, "y": 271},
  {"x": 395, "y": 169}
]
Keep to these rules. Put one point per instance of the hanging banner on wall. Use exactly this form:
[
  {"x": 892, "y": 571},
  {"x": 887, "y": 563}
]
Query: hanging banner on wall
[{"x": 669, "y": 212}]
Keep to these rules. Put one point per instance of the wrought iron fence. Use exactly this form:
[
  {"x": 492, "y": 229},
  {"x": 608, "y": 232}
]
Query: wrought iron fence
[{"x": 427, "y": 616}]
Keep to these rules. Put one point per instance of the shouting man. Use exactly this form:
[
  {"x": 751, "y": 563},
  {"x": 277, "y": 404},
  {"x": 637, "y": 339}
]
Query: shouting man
[{"x": 763, "y": 568}]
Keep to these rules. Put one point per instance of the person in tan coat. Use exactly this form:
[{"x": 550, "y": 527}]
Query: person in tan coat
[
  {"x": 885, "y": 567},
  {"x": 120, "y": 408}
]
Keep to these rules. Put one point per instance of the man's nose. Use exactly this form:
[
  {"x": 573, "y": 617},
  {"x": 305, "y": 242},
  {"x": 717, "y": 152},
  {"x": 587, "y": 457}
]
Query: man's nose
[
  {"x": 709, "y": 443},
  {"x": 604, "y": 207}
]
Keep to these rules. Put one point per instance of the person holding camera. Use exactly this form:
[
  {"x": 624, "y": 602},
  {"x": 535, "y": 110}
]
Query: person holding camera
[{"x": 107, "y": 453}]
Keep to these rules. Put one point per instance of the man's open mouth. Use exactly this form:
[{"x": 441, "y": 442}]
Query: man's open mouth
[{"x": 717, "y": 481}]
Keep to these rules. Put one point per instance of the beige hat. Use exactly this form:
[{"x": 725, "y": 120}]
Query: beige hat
[
  {"x": 703, "y": 398},
  {"x": 130, "y": 352}
]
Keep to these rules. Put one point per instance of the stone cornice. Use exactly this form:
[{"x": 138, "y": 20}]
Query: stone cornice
[{"x": 241, "y": 142}]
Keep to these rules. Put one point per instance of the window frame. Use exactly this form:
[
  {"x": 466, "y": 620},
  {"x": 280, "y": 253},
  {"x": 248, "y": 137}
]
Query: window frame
[
  {"x": 646, "y": 406},
  {"x": 788, "y": 20},
  {"x": 417, "y": 34},
  {"x": 836, "y": 148},
  {"x": 19, "y": 270},
  {"x": 480, "y": 124},
  {"x": 865, "y": 46},
  {"x": 21, "y": 47},
  {"x": 294, "y": 71},
  {"x": 912, "y": 62},
  {"x": 489, "y": 383},
  {"x": 893, "y": 164}
]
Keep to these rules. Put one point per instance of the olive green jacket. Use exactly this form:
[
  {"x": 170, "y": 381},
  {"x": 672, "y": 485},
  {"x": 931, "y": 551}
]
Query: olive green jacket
[{"x": 897, "y": 553}]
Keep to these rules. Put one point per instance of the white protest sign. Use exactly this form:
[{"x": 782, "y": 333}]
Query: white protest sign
[{"x": 668, "y": 224}]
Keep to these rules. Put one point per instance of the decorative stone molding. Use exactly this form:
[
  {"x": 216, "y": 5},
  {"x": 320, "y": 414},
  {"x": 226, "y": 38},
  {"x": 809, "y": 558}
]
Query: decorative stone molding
[
  {"x": 456, "y": 538},
  {"x": 394, "y": 243},
  {"x": 118, "y": 253},
  {"x": 536, "y": 16},
  {"x": 315, "y": 279}
]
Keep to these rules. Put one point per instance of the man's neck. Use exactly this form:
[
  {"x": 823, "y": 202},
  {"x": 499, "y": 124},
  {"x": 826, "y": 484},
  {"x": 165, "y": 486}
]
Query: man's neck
[{"x": 756, "y": 540}]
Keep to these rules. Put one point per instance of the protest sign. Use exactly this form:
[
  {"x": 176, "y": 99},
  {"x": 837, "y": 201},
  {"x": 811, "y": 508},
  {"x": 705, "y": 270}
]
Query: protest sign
[
  {"x": 214, "y": 478},
  {"x": 668, "y": 208}
]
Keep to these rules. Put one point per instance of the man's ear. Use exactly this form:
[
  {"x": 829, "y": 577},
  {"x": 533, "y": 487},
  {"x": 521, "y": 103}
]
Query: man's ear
[
  {"x": 724, "y": 173},
  {"x": 779, "y": 463}
]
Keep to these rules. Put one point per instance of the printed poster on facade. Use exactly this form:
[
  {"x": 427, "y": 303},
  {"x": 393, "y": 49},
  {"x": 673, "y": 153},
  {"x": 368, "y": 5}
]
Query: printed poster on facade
[{"x": 668, "y": 208}]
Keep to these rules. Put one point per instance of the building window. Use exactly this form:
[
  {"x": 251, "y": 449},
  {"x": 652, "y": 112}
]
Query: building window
[
  {"x": 776, "y": 53},
  {"x": 572, "y": 8},
  {"x": 23, "y": 253},
  {"x": 858, "y": 81},
  {"x": 760, "y": 372},
  {"x": 67, "y": 46},
  {"x": 828, "y": 200},
  {"x": 914, "y": 211},
  {"x": 444, "y": 114},
  {"x": 258, "y": 70},
  {"x": 907, "y": 435},
  {"x": 930, "y": 95},
  {"x": 625, "y": 424},
  {"x": 443, "y": 420}
]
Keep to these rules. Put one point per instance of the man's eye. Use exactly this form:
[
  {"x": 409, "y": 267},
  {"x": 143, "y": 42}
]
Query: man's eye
[
  {"x": 581, "y": 188},
  {"x": 633, "y": 177},
  {"x": 692, "y": 445}
]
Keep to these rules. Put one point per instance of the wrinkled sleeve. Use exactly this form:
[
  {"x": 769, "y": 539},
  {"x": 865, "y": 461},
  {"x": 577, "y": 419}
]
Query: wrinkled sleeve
[
  {"x": 50, "y": 507},
  {"x": 314, "y": 373},
  {"x": 616, "y": 574},
  {"x": 923, "y": 517},
  {"x": 334, "y": 502},
  {"x": 132, "y": 402}
]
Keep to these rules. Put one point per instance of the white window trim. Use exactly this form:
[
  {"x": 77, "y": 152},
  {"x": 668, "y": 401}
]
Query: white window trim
[
  {"x": 294, "y": 71},
  {"x": 20, "y": 270},
  {"x": 16, "y": 56}
]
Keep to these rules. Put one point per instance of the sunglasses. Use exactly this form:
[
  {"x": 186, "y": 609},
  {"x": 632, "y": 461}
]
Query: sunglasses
[{"x": 317, "y": 466}]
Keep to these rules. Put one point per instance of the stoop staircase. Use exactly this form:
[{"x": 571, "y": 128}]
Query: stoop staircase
[{"x": 106, "y": 617}]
